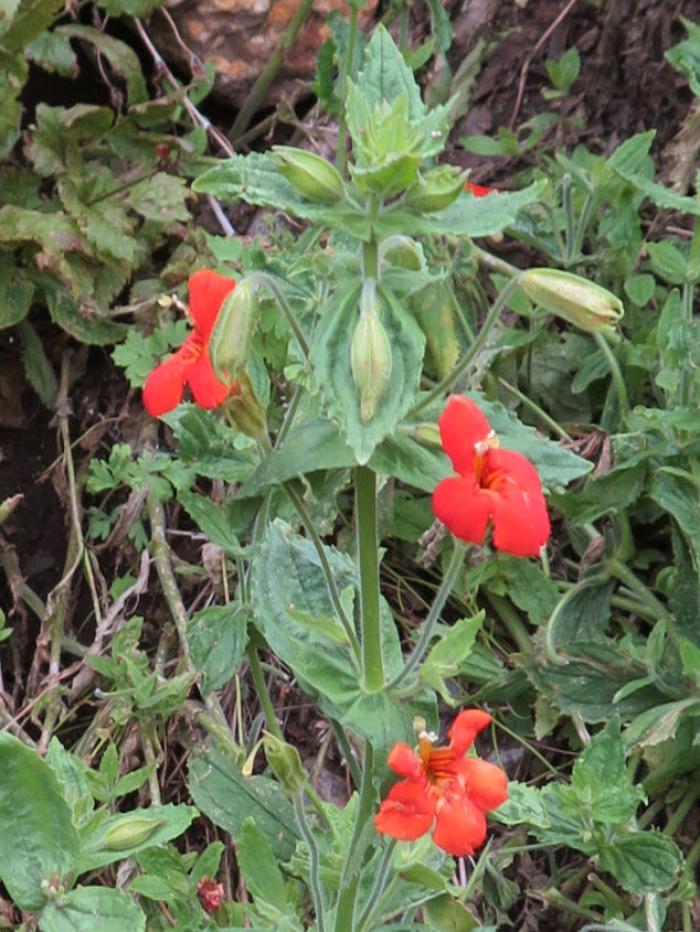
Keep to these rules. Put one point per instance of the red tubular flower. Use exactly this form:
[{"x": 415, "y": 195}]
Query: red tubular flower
[
  {"x": 443, "y": 789},
  {"x": 479, "y": 190},
  {"x": 493, "y": 485},
  {"x": 210, "y": 894},
  {"x": 191, "y": 364}
]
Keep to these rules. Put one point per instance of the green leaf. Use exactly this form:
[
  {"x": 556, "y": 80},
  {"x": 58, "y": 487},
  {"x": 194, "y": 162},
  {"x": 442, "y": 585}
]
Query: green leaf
[
  {"x": 228, "y": 798},
  {"x": 217, "y": 637},
  {"x": 681, "y": 498},
  {"x": 86, "y": 909},
  {"x": 65, "y": 312},
  {"x": 37, "y": 367},
  {"x": 121, "y": 836},
  {"x": 161, "y": 198},
  {"x": 632, "y": 156},
  {"x": 446, "y": 914},
  {"x": 121, "y": 57},
  {"x": 212, "y": 519},
  {"x": 315, "y": 444},
  {"x": 330, "y": 355},
  {"x": 37, "y": 839},
  {"x": 385, "y": 76},
  {"x": 599, "y": 780},
  {"x": 467, "y": 216},
  {"x": 640, "y": 288},
  {"x": 685, "y": 56},
  {"x": 668, "y": 262},
  {"x": 16, "y": 293},
  {"x": 658, "y": 724},
  {"x": 258, "y": 863},
  {"x": 256, "y": 179},
  {"x": 53, "y": 52},
  {"x": 208, "y": 445},
  {"x": 454, "y": 645},
  {"x": 642, "y": 862},
  {"x": 71, "y": 773},
  {"x": 405, "y": 458}
]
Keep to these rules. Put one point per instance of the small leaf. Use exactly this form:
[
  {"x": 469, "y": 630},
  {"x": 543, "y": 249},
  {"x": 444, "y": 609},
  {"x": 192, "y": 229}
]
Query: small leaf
[
  {"x": 218, "y": 638},
  {"x": 642, "y": 862},
  {"x": 121, "y": 57},
  {"x": 258, "y": 863},
  {"x": 37, "y": 367},
  {"x": 86, "y": 909}
]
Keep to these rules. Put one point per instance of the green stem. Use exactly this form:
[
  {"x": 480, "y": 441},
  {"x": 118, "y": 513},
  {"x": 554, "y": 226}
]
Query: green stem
[
  {"x": 465, "y": 362},
  {"x": 535, "y": 408},
  {"x": 550, "y": 647},
  {"x": 379, "y": 885},
  {"x": 347, "y": 894},
  {"x": 512, "y": 621},
  {"x": 273, "y": 726},
  {"x": 267, "y": 75},
  {"x": 615, "y": 371},
  {"x": 441, "y": 596},
  {"x": 368, "y": 558},
  {"x": 346, "y": 751},
  {"x": 314, "y": 860},
  {"x": 622, "y": 572},
  {"x": 684, "y": 807}
]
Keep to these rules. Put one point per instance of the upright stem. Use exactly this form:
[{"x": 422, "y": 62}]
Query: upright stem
[
  {"x": 615, "y": 372},
  {"x": 273, "y": 726},
  {"x": 347, "y": 894},
  {"x": 367, "y": 546}
]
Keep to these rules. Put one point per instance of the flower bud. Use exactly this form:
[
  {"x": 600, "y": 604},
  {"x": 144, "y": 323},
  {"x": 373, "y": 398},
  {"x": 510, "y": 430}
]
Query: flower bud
[
  {"x": 285, "y": 763},
  {"x": 232, "y": 336},
  {"x": 130, "y": 833},
  {"x": 437, "y": 190},
  {"x": 370, "y": 354},
  {"x": 243, "y": 409},
  {"x": 575, "y": 299},
  {"x": 401, "y": 251},
  {"x": 311, "y": 174}
]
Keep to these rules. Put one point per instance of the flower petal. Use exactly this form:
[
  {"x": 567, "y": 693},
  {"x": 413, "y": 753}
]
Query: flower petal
[
  {"x": 406, "y": 763},
  {"x": 460, "y": 826},
  {"x": 464, "y": 507},
  {"x": 485, "y": 784},
  {"x": 507, "y": 467},
  {"x": 462, "y": 424},
  {"x": 207, "y": 291},
  {"x": 207, "y": 390},
  {"x": 406, "y": 813},
  {"x": 165, "y": 385},
  {"x": 466, "y": 727},
  {"x": 479, "y": 190}
]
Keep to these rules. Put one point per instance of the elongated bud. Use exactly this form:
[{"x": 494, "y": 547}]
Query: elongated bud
[
  {"x": 575, "y": 299},
  {"x": 285, "y": 763},
  {"x": 370, "y": 354},
  {"x": 232, "y": 336},
  {"x": 130, "y": 833},
  {"x": 311, "y": 174},
  {"x": 243, "y": 408},
  {"x": 437, "y": 190}
]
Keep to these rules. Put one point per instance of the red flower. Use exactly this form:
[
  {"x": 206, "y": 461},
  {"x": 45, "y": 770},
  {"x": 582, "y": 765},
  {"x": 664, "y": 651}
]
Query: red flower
[
  {"x": 443, "y": 787},
  {"x": 210, "y": 894},
  {"x": 478, "y": 190},
  {"x": 493, "y": 485},
  {"x": 191, "y": 364}
]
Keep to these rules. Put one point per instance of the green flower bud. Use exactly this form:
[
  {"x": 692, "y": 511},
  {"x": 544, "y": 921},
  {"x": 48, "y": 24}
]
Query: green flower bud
[
  {"x": 575, "y": 299},
  {"x": 311, "y": 174},
  {"x": 370, "y": 354},
  {"x": 285, "y": 763},
  {"x": 232, "y": 336},
  {"x": 130, "y": 833},
  {"x": 437, "y": 190},
  {"x": 243, "y": 409}
]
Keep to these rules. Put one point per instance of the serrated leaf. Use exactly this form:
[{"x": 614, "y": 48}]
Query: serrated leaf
[
  {"x": 658, "y": 724},
  {"x": 386, "y": 76},
  {"x": 87, "y": 329},
  {"x": 668, "y": 262},
  {"x": 86, "y": 909},
  {"x": 330, "y": 355},
  {"x": 121, "y": 57},
  {"x": 228, "y": 798},
  {"x": 16, "y": 293},
  {"x": 161, "y": 198},
  {"x": 642, "y": 862},
  {"x": 53, "y": 52},
  {"x": 453, "y": 646},
  {"x": 212, "y": 519},
  {"x": 217, "y": 637},
  {"x": 37, "y": 367},
  {"x": 39, "y": 842},
  {"x": 681, "y": 498}
]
